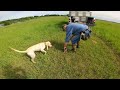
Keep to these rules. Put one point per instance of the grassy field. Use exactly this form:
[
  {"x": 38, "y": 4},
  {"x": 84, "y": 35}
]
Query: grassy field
[
  {"x": 110, "y": 33},
  {"x": 95, "y": 59}
]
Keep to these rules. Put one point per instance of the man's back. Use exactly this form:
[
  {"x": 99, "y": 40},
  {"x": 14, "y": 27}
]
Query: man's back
[{"x": 76, "y": 27}]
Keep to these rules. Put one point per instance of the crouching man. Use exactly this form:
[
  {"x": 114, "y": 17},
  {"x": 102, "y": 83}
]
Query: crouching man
[{"x": 73, "y": 33}]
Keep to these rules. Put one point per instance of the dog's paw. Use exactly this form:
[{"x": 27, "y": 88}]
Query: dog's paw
[{"x": 33, "y": 61}]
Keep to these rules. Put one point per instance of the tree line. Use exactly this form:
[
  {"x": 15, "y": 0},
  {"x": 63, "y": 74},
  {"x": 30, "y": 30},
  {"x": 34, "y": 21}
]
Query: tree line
[{"x": 11, "y": 21}]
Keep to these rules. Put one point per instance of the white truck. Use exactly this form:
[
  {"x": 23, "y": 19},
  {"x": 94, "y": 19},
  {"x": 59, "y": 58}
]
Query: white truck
[{"x": 82, "y": 16}]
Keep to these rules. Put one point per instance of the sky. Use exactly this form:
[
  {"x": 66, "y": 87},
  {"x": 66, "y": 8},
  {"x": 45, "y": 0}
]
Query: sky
[
  {"x": 5, "y": 15},
  {"x": 107, "y": 15},
  {"x": 104, "y": 15}
]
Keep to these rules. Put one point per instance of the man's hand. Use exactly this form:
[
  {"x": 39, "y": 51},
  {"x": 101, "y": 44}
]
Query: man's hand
[{"x": 65, "y": 49}]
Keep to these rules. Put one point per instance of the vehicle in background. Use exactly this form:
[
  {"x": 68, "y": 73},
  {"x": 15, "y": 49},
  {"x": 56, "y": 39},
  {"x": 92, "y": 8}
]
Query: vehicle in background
[{"x": 82, "y": 16}]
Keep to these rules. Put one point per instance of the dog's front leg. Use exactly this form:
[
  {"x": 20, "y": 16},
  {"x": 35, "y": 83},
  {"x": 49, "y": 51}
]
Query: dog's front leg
[
  {"x": 47, "y": 47},
  {"x": 43, "y": 51},
  {"x": 33, "y": 60}
]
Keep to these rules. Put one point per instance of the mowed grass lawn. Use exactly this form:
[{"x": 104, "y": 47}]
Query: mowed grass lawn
[{"x": 93, "y": 60}]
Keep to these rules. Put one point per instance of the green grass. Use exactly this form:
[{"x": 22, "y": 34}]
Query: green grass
[
  {"x": 109, "y": 32},
  {"x": 93, "y": 60}
]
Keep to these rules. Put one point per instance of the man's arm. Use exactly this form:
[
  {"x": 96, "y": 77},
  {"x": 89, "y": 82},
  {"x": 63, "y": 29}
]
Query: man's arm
[{"x": 68, "y": 37}]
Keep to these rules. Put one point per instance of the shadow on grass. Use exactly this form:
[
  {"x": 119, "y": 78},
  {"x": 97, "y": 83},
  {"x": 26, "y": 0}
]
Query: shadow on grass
[
  {"x": 60, "y": 24},
  {"x": 58, "y": 45},
  {"x": 14, "y": 73}
]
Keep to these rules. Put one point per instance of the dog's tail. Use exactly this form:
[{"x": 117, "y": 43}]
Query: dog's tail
[{"x": 18, "y": 50}]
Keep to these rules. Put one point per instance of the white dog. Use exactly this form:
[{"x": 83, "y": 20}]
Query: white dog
[{"x": 38, "y": 47}]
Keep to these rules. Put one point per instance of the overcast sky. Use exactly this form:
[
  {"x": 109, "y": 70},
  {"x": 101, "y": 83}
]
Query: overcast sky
[
  {"x": 105, "y": 15},
  {"x": 5, "y": 15}
]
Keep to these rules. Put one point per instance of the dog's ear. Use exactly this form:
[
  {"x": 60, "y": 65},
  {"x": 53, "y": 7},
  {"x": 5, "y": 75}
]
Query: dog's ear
[{"x": 48, "y": 41}]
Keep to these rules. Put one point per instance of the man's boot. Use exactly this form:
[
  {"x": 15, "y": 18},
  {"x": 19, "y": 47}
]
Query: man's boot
[{"x": 74, "y": 47}]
